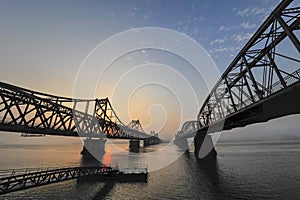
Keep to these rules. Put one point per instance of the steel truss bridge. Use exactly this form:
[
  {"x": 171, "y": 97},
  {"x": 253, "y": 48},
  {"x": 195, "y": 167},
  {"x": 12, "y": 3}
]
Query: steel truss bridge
[
  {"x": 27, "y": 111},
  {"x": 261, "y": 83}
]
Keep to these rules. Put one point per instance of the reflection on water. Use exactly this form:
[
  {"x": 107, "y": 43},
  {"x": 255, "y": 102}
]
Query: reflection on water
[
  {"x": 210, "y": 170},
  {"x": 241, "y": 171},
  {"x": 107, "y": 156},
  {"x": 104, "y": 191}
]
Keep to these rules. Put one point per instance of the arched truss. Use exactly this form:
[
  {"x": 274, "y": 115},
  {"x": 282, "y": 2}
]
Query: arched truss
[
  {"x": 112, "y": 126},
  {"x": 189, "y": 128},
  {"x": 268, "y": 64}
]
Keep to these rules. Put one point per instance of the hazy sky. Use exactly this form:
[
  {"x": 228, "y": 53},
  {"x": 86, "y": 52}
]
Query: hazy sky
[{"x": 43, "y": 44}]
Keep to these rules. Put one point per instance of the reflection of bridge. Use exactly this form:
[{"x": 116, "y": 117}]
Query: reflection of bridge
[
  {"x": 27, "y": 111},
  {"x": 261, "y": 83}
]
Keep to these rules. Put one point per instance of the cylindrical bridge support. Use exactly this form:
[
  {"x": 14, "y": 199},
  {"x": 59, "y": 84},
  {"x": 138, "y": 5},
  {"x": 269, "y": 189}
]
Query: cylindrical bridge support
[
  {"x": 134, "y": 146},
  {"x": 94, "y": 147},
  {"x": 204, "y": 147}
]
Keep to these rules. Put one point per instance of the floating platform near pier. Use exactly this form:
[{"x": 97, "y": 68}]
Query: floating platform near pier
[{"x": 132, "y": 173}]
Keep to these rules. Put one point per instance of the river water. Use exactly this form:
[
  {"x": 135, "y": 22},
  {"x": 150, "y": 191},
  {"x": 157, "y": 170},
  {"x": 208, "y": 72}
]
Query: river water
[{"x": 264, "y": 170}]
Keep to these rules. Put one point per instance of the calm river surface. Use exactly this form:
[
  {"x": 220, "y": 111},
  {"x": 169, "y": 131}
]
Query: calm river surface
[{"x": 241, "y": 171}]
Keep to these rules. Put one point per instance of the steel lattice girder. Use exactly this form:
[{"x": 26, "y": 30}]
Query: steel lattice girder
[
  {"x": 258, "y": 71},
  {"x": 28, "y": 111},
  {"x": 112, "y": 126},
  {"x": 23, "y": 110}
]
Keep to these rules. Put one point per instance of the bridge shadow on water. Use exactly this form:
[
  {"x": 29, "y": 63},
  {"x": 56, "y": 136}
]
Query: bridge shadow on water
[
  {"x": 104, "y": 190},
  {"x": 211, "y": 179},
  {"x": 88, "y": 160},
  {"x": 204, "y": 176}
]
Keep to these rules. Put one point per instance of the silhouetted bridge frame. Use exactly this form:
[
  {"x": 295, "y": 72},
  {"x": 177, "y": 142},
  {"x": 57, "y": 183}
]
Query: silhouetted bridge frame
[
  {"x": 28, "y": 111},
  {"x": 19, "y": 180},
  {"x": 261, "y": 83}
]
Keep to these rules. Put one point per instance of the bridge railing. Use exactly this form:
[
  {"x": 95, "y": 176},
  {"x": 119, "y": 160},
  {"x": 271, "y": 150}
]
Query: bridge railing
[
  {"x": 289, "y": 80},
  {"x": 277, "y": 86},
  {"x": 133, "y": 168}
]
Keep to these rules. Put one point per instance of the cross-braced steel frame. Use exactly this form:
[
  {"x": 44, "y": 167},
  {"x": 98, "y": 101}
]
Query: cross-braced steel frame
[
  {"x": 27, "y": 111},
  {"x": 268, "y": 63},
  {"x": 113, "y": 127},
  {"x": 267, "y": 66},
  {"x": 136, "y": 125},
  {"x": 189, "y": 128}
]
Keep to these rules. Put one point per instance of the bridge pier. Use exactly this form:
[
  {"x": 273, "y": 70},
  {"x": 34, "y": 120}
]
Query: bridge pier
[
  {"x": 94, "y": 147},
  {"x": 182, "y": 143},
  {"x": 151, "y": 141},
  {"x": 204, "y": 147},
  {"x": 134, "y": 146},
  {"x": 147, "y": 143}
]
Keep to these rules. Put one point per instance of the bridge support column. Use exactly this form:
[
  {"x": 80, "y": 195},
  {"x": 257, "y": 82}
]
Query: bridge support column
[
  {"x": 204, "y": 147},
  {"x": 134, "y": 146},
  {"x": 94, "y": 147},
  {"x": 151, "y": 141},
  {"x": 182, "y": 143},
  {"x": 147, "y": 143}
]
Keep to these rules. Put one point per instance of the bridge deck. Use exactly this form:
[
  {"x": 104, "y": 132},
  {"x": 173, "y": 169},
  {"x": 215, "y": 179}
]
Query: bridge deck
[{"x": 280, "y": 104}]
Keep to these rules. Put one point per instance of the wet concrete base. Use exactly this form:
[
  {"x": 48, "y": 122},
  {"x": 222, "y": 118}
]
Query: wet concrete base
[
  {"x": 182, "y": 143},
  {"x": 94, "y": 147},
  {"x": 134, "y": 146},
  {"x": 204, "y": 147}
]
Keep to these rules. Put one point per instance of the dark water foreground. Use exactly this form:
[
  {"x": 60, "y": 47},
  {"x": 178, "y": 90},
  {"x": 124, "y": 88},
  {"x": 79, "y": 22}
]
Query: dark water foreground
[{"x": 241, "y": 171}]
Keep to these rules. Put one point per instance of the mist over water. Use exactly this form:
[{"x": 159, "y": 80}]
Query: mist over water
[{"x": 266, "y": 170}]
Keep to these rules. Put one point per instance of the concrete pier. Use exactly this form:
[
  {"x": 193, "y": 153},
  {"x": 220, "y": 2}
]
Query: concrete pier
[
  {"x": 151, "y": 141},
  {"x": 134, "y": 146},
  {"x": 182, "y": 143},
  {"x": 146, "y": 143},
  {"x": 204, "y": 147},
  {"x": 94, "y": 147}
]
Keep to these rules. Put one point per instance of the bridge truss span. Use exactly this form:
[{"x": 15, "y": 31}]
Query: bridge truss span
[
  {"x": 113, "y": 127},
  {"x": 267, "y": 65},
  {"x": 188, "y": 129},
  {"x": 23, "y": 110},
  {"x": 27, "y": 111}
]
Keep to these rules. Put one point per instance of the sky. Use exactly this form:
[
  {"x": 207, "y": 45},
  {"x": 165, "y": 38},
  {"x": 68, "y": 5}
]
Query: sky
[{"x": 44, "y": 44}]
